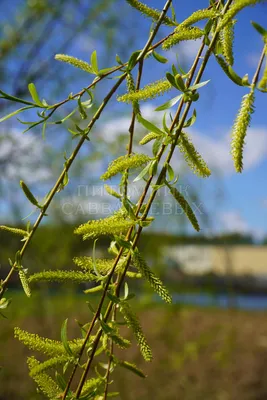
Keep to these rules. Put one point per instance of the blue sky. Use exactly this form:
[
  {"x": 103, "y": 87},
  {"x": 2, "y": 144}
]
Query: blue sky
[{"x": 236, "y": 202}]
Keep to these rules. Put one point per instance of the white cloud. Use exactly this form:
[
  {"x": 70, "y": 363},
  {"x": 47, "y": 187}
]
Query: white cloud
[
  {"x": 22, "y": 157},
  {"x": 232, "y": 221},
  {"x": 185, "y": 51}
]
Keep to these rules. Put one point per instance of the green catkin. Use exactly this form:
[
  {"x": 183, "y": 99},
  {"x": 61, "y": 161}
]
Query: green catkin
[
  {"x": 75, "y": 62},
  {"x": 15, "y": 231},
  {"x": 120, "y": 341},
  {"x": 93, "y": 385},
  {"x": 150, "y": 136},
  {"x": 45, "y": 383},
  {"x": 45, "y": 346},
  {"x": 227, "y": 39},
  {"x": 196, "y": 17},
  {"x": 114, "y": 225},
  {"x": 148, "y": 92},
  {"x": 112, "y": 192},
  {"x": 24, "y": 282},
  {"x": 132, "y": 367},
  {"x": 103, "y": 266},
  {"x": 124, "y": 163},
  {"x": 181, "y": 34},
  {"x": 61, "y": 276},
  {"x": 237, "y": 6},
  {"x": 153, "y": 280},
  {"x": 134, "y": 324},
  {"x": 263, "y": 82},
  {"x": 150, "y": 12},
  {"x": 240, "y": 127},
  {"x": 192, "y": 157},
  {"x": 131, "y": 90},
  {"x": 186, "y": 207},
  {"x": 46, "y": 365}
]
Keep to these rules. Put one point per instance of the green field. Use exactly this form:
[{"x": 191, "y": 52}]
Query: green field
[{"x": 198, "y": 353}]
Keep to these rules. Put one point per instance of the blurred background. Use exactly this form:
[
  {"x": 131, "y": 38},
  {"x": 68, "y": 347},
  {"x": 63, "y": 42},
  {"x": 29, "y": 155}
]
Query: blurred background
[{"x": 212, "y": 342}]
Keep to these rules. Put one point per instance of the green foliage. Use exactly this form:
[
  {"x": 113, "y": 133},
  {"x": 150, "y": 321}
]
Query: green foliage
[
  {"x": 240, "y": 127},
  {"x": 125, "y": 226}
]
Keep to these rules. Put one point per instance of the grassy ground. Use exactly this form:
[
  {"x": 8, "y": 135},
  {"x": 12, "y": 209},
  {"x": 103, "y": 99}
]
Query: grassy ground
[{"x": 206, "y": 354}]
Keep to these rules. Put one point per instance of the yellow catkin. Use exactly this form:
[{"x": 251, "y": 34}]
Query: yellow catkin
[
  {"x": 150, "y": 91},
  {"x": 192, "y": 157},
  {"x": 124, "y": 163},
  {"x": 237, "y": 6},
  {"x": 181, "y": 34},
  {"x": 75, "y": 62},
  {"x": 197, "y": 16},
  {"x": 150, "y": 12},
  {"x": 185, "y": 207},
  {"x": 227, "y": 39},
  {"x": 239, "y": 130}
]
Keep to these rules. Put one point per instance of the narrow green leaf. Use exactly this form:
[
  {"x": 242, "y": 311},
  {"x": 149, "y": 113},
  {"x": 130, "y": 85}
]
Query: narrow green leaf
[
  {"x": 191, "y": 120},
  {"x": 133, "y": 59},
  {"x": 64, "y": 337},
  {"x": 259, "y": 29},
  {"x": 15, "y": 99},
  {"x": 15, "y": 113},
  {"x": 94, "y": 62},
  {"x": 169, "y": 103},
  {"x": 34, "y": 94},
  {"x": 142, "y": 173},
  {"x": 148, "y": 125},
  {"x": 170, "y": 172},
  {"x": 199, "y": 85},
  {"x": 171, "y": 79},
  {"x": 159, "y": 57}
]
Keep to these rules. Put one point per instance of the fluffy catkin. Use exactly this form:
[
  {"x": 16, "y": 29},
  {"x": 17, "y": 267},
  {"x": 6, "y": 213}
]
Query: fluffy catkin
[
  {"x": 150, "y": 91},
  {"x": 186, "y": 208},
  {"x": 148, "y": 274},
  {"x": 196, "y": 17},
  {"x": 182, "y": 33},
  {"x": 150, "y": 12},
  {"x": 192, "y": 157},
  {"x": 227, "y": 39},
  {"x": 75, "y": 62},
  {"x": 124, "y": 163},
  {"x": 134, "y": 324},
  {"x": 240, "y": 127},
  {"x": 237, "y": 6}
]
